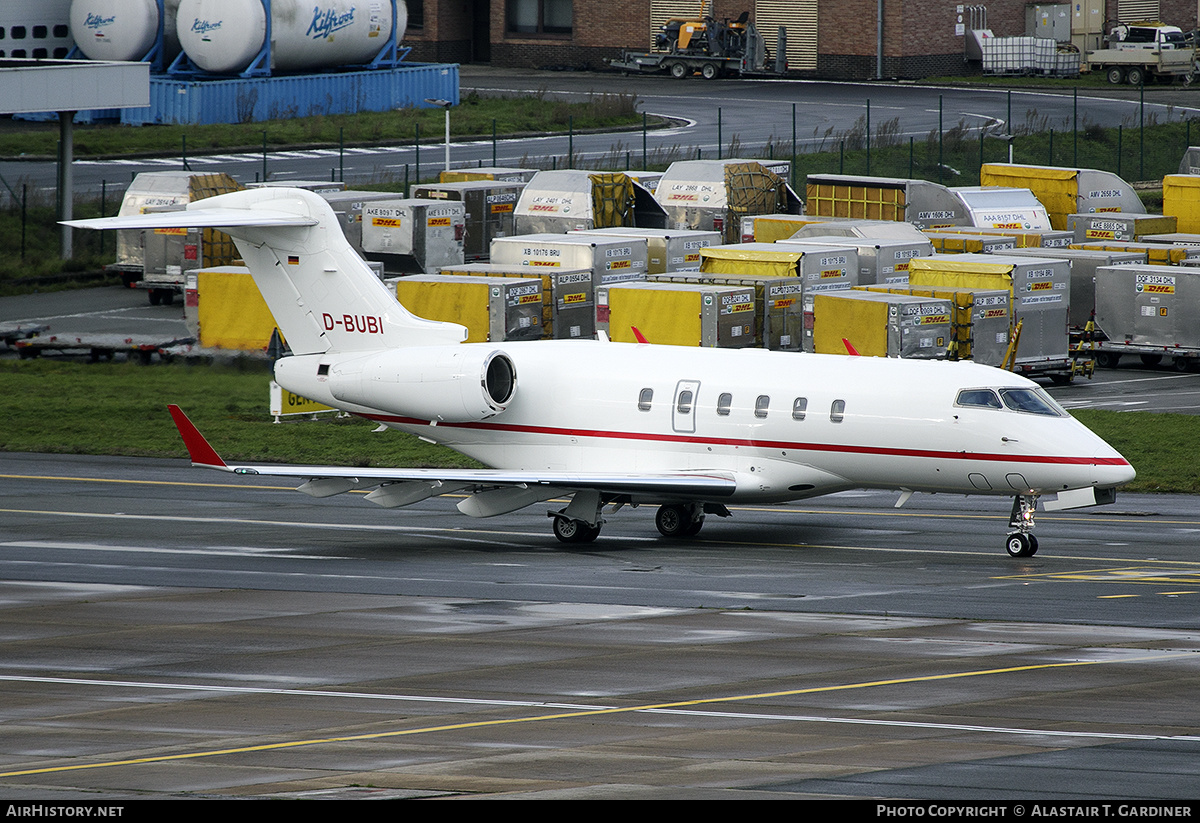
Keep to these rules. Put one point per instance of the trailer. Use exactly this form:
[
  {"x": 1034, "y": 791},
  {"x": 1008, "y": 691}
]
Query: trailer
[
  {"x": 709, "y": 47},
  {"x": 1139, "y": 65}
]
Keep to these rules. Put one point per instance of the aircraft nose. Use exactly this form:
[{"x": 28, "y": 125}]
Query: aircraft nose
[{"x": 1112, "y": 473}]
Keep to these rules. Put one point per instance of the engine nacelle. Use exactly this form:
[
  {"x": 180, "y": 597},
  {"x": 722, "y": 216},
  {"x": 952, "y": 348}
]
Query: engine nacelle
[{"x": 448, "y": 384}]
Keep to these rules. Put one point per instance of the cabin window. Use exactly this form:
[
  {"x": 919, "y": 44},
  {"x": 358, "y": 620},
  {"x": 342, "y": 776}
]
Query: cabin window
[
  {"x": 837, "y": 411},
  {"x": 799, "y": 408},
  {"x": 761, "y": 404},
  {"x": 978, "y": 398},
  {"x": 644, "y": 399},
  {"x": 723, "y": 404},
  {"x": 684, "y": 406},
  {"x": 1031, "y": 401}
]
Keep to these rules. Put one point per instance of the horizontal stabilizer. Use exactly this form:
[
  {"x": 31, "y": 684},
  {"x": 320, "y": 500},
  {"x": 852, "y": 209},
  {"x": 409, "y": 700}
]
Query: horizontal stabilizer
[{"x": 199, "y": 218}]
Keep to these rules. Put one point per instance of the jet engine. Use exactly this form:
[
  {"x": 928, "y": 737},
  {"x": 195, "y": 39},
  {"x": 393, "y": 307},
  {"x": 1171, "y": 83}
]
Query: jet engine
[{"x": 456, "y": 384}]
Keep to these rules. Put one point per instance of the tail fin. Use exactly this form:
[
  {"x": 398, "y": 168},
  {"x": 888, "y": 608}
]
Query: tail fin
[{"x": 322, "y": 294}]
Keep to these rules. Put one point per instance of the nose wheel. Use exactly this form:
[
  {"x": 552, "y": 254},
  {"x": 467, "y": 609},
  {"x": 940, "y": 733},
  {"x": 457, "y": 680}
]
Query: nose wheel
[{"x": 1022, "y": 543}]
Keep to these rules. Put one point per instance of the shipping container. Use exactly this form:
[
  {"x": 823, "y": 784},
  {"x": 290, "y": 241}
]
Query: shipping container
[
  {"x": 1158, "y": 254},
  {"x": 1181, "y": 197},
  {"x": 1084, "y": 263},
  {"x": 414, "y": 235},
  {"x": 882, "y": 324},
  {"x": 867, "y": 229},
  {"x": 982, "y": 320},
  {"x": 970, "y": 243},
  {"x": 919, "y": 202},
  {"x": 667, "y": 249},
  {"x": 1066, "y": 191},
  {"x": 500, "y": 174},
  {"x": 1031, "y": 239},
  {"x": 1000, "y": 207},
  {"x": 1149, "y": 311},
  {"x": 778, "y": 303},
  {"x": 613, "y": 259},
  {"x": 1118, "y": 227},
  {"x": 715, "y": 195},
  {"x": 568, "y": 296},
  {"x": 1040, "y": 291},
  {"x": 769, "y": 228},
  {"x": 678, "y": 314},
  {"x": 493, "y": 309},
  {"x": 880, "y": 262},
  {"x": 348, "y": 206},
  {"x": 571, "y": 199},
  {"x": 1173, "y": 238},
  {"x": 490, "y": 208}
]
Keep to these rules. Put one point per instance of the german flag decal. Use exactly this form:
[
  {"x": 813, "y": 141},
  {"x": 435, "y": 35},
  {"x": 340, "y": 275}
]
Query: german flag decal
[{"x": 293, "y": 260}]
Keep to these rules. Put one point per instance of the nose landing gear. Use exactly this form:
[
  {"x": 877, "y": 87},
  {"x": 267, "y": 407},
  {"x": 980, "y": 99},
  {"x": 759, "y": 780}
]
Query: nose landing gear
[{"x": 1022, "y": 543}]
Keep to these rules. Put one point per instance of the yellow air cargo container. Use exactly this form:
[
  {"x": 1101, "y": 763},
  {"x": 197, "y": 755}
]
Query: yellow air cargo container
[
  {"x": 1024, "y": 239},
  {"x": 769, "y": 228},
  {"x": 1157, "y": 254},
  {"x": 519, "y": 272},
  {"x": 981, "y": 323},
  {"x": 1181, "y": 200},
  {"x": 924, "y": 204},
  {"x": 231, "y": 311},
  {"x": 882, "y": 324},
  {"x": 678, "y": 314},
  {"x": 970, "y": 243},
  {"x": 492, "y": 308},
  {"x": 1066, "y": 191}
]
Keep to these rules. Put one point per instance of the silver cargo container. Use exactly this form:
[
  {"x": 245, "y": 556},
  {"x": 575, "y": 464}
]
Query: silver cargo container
[
  {"x": 667, "y": 249},
  {"x": 779, "y": 303},
  {"x": 680, "y": 314},
  {"x": 1084, "y": 263},
  {"x": 1145, "y": 305},
  {"x": 572, "y": 199},
  {"x": 999, "y": 207},
  {"x": 490, "y": 208},
  {"x": 613, "y": 259},
  {"x": 714, "y": 195},
  {"x": 348, "y": 206},
  {"x": 854, "y": 227},
  {"x": 1090, "y": 228},
  {"x": 880, "y": 261},
  {"x": 1173, "y": 238},
  {"x": 411, "y": 235}
]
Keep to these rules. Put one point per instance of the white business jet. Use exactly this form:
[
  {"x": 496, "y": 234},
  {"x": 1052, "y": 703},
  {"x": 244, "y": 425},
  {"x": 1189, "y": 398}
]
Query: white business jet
[{"x": 691, "y": 430}]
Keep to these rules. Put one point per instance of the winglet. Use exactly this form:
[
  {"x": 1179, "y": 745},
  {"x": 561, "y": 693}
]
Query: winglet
[
  {"x": 199, "y": 450},
  {"x": 850, "y": 349},
  {"x": 637, "y": 335}
]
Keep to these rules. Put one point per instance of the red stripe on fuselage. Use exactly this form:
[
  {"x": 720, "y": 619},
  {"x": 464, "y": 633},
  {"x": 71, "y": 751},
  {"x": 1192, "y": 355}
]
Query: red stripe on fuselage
[{"x": 761, "y": 444}]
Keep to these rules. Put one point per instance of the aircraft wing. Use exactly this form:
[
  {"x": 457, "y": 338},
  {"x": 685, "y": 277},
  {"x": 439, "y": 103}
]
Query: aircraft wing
[{"x": 325, "y": 481}]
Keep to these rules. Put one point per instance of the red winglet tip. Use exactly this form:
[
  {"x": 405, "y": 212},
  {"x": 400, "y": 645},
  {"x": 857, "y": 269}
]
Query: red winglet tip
[
  {"x": 199, "y": 450},
  {"x": 850, "y": 348},
  {"x": 637, "y": 335}
]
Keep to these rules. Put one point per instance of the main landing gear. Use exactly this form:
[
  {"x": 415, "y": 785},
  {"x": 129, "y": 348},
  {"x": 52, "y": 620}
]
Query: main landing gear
[
  {"x": 679, "y": 520},
  {"x": 580, "y": 521},
  {"x": 1022, "y": 543}
]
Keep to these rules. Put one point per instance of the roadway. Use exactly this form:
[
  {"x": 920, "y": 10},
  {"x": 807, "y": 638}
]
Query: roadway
[{"x": 171, "y": 632}]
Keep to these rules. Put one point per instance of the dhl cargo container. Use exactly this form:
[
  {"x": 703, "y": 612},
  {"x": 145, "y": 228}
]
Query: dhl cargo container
[
  {"x": 229, "y": 310},
  {"x": 570, "y": 199},
  {"x": 820, "y": 268},
  {"x": 497, "y": 173},
  {"x": 1118, "y": 227},
  {"x": 778, "y": 303},
  {"x": 1031, "y": 239},
  {"x": 1181, "y": 196},
  {"x": 1158, "y": 254},
  {"x": 667, "y": 249},
  {"x": 409, "y": 235},
  {"x": 1040, "y": 290},
  {"x": 348, "y": 206},
  {"x": 970, "y": 243},
  {"x": 881, "y": 324},
  {"x": 1066, "y": 191},
  {"x": 568, "y": 295},
  {"x": 1084, "y": 263},
  {"x": 867, "y": 229},
  {"x": 879, "y": 261},
  {"x": 315, "y": 186},
  {"x": 492, "y": 308},
  {"x": 1000, "y": 207},
  {"x": 678, "y": 314},
  {"x": 1173, "y": 238},
  {"x": 489, "y": 211},
  {"x": 1190, "y": 163},
  {"x": 924, "y": 204},
  {"x": 981, "y": 324},
  {"x": 1150, "y": 311},
  {"x": 647, "y": 179},
  {"x": 769, "y": 228},
  {"x": 158, "y": 259},
  {"x": 714, "y": 195},
  {"x": 612, "y": 259}
]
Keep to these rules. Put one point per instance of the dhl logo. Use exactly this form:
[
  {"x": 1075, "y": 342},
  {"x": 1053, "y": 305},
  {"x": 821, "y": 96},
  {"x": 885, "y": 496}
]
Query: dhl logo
[
  {"x": 170, "y": 231},
  {"x": 1154, "y": 288},
  {"x": 994, "y": 313},
  {"x": 530, "y": 298},
  {"x": 580, "y": 297},
  {"x": 1041, "y": 285},
  {"x": 783, "y": 304},
  {"x": 619, "y": 264},
  {"x": 543, "y": 208},
  {"x": 935, "y": 319},
  {"x": 691, "y": 198},
  {"x": 691, "y": 258},
  {"x": 901, "y": 267},
  {"x": 438, "y": 221},
  {"x": 502, "y": 208},
  {"x": 1006, "y": 225},
  {"x": 1098, "y": 234},
  {"x": 1109, "y": 208},
  {"x": 542, "y": 263},
  {"x": 742, "y": 307},
  {"x": 832, "y": 273},
  {"x": 386, "y": 222}
]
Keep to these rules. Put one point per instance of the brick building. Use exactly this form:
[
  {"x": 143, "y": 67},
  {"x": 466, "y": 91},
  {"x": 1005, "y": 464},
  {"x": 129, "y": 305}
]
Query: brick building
[{"x": 826, "y": 38}]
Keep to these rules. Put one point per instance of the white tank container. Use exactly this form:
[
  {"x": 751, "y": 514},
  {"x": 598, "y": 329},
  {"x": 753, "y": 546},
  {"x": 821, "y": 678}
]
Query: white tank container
[
  {"x": 122, "y": 29},
  {"x": 223, "y": 36}
]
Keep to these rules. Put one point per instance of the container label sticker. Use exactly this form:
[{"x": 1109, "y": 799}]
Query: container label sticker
[
  {"x": 1154, "y": 284},
  {"x": 936, "y": 215},
  {"x": 829, "y": 273},
  {"x": 1041, "y": 298},
  {"x": 572, "y": 299},
  {"x": 438, "y": 221}
]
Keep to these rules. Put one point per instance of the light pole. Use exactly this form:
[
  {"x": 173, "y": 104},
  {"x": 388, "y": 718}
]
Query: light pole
[{"x": 445, "y": 105}]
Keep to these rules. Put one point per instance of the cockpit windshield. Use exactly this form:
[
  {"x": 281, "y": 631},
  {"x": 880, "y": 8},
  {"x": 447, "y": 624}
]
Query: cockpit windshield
[{"x": 1027, "y": 401}]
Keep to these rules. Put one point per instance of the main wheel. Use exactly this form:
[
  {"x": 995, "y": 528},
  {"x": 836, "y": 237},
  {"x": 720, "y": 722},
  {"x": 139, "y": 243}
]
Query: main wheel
[
  {"x": 1116, "y": 76},
  {"x": 1181, "y": 363},
  {"x": 708, "y": 71},
  {"x": 1150, "y": 360},
  {"x": 672, "y": 521},
  {"x": 693, "y": 528},
  {"x": 154, "y": 296},
  {"x": 1021, "y": 545},
  {"x": 678, "y": 70},
  {"x": 1135, "y": 76},
  {"x": 568, "y": 530},
  {"x": 1107, "y": 359}
]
